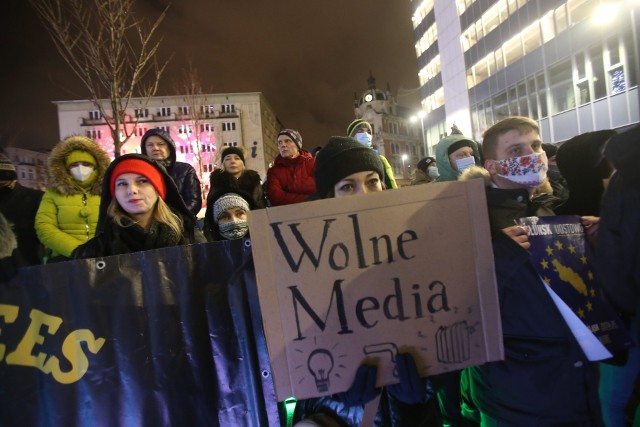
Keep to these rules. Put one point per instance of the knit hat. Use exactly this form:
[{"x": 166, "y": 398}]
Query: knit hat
[
  {"x": 7, "y": 169},
  {"x": 233, "y": 150},
  {"x": 80, "y": 156},
  {"x": 226, "y": 202},
  {"x": 354, "y": 125},
  {"x": 146, "y": 169},
  {"x": 424, "y": 163},
  {"x": 459, "y": 144},
  {"x": 294, "y": 135},
  {"x": 341, "y": 157}
]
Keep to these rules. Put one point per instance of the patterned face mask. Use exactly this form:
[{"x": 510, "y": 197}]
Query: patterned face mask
[
  {"x": 234, "y": 230},
  {"x": 529, "y": 171}
]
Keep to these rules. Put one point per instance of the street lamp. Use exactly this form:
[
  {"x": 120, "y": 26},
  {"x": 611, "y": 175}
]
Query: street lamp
[
  {"x": 404, "y": 159},
  {"x": 420, "y": 116}
]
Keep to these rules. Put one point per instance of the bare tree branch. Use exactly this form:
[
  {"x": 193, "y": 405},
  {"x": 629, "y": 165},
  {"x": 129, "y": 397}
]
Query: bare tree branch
[{"x": 111, "y": 52}]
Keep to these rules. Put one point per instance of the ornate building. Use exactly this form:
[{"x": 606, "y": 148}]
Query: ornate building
[{"x": 394, "y": 135}]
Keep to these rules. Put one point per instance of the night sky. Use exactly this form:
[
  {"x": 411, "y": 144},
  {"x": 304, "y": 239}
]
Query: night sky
[{"x": 307, "y": 57}]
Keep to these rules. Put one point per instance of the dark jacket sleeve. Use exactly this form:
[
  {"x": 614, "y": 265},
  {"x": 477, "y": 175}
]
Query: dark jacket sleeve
[{"x": 186, "y": 179}]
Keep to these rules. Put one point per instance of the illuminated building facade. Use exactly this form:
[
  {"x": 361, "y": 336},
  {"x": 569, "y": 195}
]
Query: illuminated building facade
[
  {"x": 572, "y": 65},
  {"x": 200, "y": 125}
]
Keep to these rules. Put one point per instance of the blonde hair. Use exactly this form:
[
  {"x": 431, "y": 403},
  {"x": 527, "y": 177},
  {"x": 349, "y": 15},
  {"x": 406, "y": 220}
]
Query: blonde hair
[
  {"x": 490, "y": 137},
  {"x": 161, "y": 213}
]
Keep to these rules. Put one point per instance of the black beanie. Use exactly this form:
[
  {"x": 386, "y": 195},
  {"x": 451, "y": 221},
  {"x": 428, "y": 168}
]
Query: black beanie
[
  {"x": 341, "y": 157},
  {"x": 424, "y": 163},
  {"x": 7, "y": 169},
  {"x": 459, "y": 144},
  {"x": 233, "y": 150}
]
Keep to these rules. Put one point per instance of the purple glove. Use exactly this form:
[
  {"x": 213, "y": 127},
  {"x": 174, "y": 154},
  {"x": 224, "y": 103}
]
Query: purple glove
[{"x": 411, "y": 389}]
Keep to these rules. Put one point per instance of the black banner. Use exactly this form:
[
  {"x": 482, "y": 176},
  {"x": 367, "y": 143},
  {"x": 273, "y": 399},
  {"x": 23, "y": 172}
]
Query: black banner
[{"x": 170, "y": 337}]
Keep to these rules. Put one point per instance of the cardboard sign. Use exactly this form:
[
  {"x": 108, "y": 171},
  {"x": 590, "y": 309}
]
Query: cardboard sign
[{"x": 341, "y": 280}]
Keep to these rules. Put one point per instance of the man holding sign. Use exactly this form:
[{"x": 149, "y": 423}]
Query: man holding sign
[{"x": 545, "y": 379}]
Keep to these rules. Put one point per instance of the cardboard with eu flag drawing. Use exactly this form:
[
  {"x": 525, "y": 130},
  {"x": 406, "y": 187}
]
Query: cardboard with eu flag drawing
[{"x": 407, "y": 270}]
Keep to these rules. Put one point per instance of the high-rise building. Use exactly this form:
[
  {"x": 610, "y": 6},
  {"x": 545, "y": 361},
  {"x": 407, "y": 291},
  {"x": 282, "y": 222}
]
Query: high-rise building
[
  {"x": 572, "y": 65},
  {"x": 394, "y": 134},
  {"x": 201, "y": 126}
]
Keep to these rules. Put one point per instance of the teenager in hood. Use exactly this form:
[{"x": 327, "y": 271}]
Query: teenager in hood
[
  {"x": 158, "y": 145},
  {"x": 140, "y": 210},
  {"x": 68, "y": 213}
]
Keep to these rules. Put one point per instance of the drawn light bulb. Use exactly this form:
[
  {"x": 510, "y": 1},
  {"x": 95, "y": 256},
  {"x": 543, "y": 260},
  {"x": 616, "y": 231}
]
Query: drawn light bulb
[{"x": 320, "y": 364}]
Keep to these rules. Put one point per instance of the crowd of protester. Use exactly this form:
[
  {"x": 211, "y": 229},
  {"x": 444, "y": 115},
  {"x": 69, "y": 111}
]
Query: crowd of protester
[{"x": 138, "y": 202}]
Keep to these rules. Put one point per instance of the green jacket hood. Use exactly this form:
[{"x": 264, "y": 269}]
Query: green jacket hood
[{"x": 447, "y": 173}]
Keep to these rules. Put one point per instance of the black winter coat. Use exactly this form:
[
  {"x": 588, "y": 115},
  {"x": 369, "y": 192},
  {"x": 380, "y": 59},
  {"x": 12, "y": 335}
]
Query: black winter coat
[
  {"x": 545, "y": 378},
  {"x": 111, "y": 239},
  {"x": 186, "y": 179},
  {"x": 19, "y": 206}
]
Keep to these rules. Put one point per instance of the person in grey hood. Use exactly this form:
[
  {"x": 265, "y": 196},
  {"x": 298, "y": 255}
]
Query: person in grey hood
[{"x": 158, "y": 145}]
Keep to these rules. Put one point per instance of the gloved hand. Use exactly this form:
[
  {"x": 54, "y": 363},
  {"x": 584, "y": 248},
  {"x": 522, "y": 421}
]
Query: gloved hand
[
  {"x": 363, "y": 389},
  {"x": 411, "y": 389}
]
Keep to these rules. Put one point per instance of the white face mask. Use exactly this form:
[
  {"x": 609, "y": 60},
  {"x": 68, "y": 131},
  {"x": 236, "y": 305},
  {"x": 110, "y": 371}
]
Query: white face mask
[
  {"x": 528, "y": 171},
  {"x": 81, "y": 173},
  {"x": 467, "y": 162},
  {"x": 364, "y": 138},
  {"x": 433, "y": 172}
]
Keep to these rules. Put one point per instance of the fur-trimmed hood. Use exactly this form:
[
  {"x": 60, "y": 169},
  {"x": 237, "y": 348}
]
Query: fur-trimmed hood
[
  {"x": 61, "y": 179},
  {"x": 476, "y": 172}
]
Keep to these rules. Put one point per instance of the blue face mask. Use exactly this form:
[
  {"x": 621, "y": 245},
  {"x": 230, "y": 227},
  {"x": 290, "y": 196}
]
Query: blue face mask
[
  {"x": 467, "y": 162},
  {"x": 364, "y": 138},
  {"x": 433, "y": 172}
]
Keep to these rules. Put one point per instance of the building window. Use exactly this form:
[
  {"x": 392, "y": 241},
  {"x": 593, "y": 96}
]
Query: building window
[
  {"x": 228, "y": 126},
  {"x": 164, "y": 111},
  {"x": 184, "y": 110},
  {"x": 164, "y": 128},
  {"x": 95, "y": 115},
  {"x": 207, "y": 110},
  {"x": 94, "y": 134},
  {"x": 141, "y": 113},
  {"x": 206, "y": 127},
  {"x": 185, "y": 129},
  {"x": 228, "y": 108},
  {"x": 597, "y": 72},
  {"x": 579, "y": 10},
  {"x": 140, "y": 131},
  {"x": 561, "y": 87}
]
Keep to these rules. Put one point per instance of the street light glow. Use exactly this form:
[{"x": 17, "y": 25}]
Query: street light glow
[{"x": 605, "y": 13}]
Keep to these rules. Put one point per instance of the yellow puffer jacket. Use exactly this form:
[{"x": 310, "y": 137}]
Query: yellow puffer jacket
[
  {"x": 65, "y": 222},
  {"x": 68, "y": 213}
]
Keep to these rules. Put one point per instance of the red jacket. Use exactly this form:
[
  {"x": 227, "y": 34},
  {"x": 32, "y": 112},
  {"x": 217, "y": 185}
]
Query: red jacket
[{"x": 291, "y": 180}]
